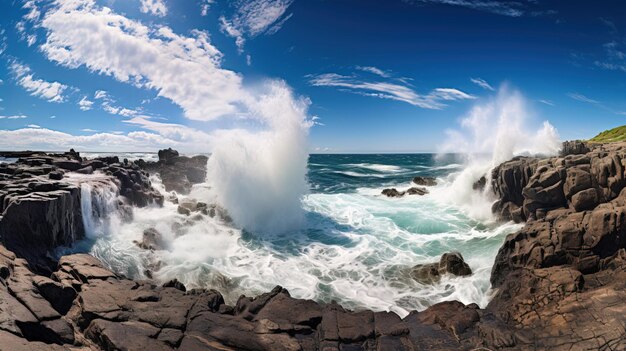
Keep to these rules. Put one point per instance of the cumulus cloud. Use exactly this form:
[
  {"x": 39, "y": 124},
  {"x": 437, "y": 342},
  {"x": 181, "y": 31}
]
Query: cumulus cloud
[
  {"x": 390, "y": 89},
  {"x": 482, "y": 83},
  {"x": 51, "y": 91},
  {"x": 47, "y": 139},
  {"x": 184, "y": 69},
  {"x": 154, "y": 7},
  {"x": 255, "y": 17}
]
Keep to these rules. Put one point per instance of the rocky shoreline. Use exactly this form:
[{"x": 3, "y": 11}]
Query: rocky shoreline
[{"x": 560, "y": 281}]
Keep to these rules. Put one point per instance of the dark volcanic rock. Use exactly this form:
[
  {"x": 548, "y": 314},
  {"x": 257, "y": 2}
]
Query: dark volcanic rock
[
  {"x": 178, "y": 173},
  {"x": 574, "y": 147},
  {"x": 449, "y": 263},
  {"x": 393, "y": 192},
  {"x": 560, "y": 281},
  {"x": 425, "y": 181}
]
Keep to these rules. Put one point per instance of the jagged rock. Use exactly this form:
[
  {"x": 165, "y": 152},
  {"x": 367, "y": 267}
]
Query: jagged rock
[
  {"x": 69, "y": 165},
  {"x": 480, "y": 184},
  {"x": 178, "y": 173},
  {"x": 167, "y": 155},
  {"x": 574, "y": 147},
  {"x": 425, "y": 181},
  {"x": 57, "y": 175},
  {"x": 175, "y": 284},
  {"x": 417, "y": 191},
  {"x": 393, "y": 192},
  {"x": 449, "y": 263},
  {"x": 34, "y": 223}
]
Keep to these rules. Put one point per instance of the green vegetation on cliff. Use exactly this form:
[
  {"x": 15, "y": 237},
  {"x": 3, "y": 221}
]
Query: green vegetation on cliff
[{"x": 611, "y": 135}]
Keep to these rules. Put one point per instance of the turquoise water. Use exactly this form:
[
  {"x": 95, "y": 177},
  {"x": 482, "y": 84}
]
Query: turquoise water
[{"x": 354, "y": 245}]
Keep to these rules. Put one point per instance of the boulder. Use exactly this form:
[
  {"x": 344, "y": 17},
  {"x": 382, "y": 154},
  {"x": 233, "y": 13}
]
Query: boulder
[
  {"x": 417, "y": 191},
  {"x": 449, "y": 263},
  {"x": 167, "y": 156},
  {"x": 393, "y": 192},
  {"x": 425, "y": 181}
]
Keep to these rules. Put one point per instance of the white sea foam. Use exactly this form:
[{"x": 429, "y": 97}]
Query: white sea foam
[
  {"x": 378, "y": 167},
  {"x": 493, "y": 132}
]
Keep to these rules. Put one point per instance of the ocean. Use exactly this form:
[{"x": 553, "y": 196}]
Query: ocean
[{"x": 352, "y": 245}]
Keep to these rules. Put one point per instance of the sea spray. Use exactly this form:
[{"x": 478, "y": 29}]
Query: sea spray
[
  {"x": 494, "y": 131},
  {"x": 260, "y": 176}
]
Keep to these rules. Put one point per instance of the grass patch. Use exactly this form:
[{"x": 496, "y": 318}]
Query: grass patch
[{"x": 611, "y": 135}]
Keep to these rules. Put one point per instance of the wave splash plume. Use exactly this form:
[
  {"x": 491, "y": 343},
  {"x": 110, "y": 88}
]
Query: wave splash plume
[{"x": 493, "y": 132}]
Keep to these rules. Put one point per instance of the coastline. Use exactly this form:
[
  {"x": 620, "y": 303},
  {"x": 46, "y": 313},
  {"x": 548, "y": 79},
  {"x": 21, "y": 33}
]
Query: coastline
[{"x": 559, "y": 279}]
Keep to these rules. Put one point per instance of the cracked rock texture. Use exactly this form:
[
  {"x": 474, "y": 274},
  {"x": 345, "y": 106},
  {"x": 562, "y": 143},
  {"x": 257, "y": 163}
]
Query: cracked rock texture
[{"x": 560, "y": 283}]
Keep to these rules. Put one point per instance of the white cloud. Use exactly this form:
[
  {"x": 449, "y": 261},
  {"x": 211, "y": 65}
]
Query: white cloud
[
  {"x": 88, "y": 130},
  {"x": 615, "y": 59},
  {"x": 185, "y": 70},
  {"x": 205, "y": 5},
  {"x": 582, "y": 98},
  {"x": 255, "y": 17},
  {"x": 100, "y": 94},
  {"x": 85, "y": 104},
  {"x": 154, "y": 7},
  {"x": 547, "y": 102},
  {"x": 46, "y": 139},
  {"x": 51, "y": 91},
  {"x": 33, "y": 126},
  {"x": 374, "y": 70},
  {"x": 13, "y": 117},
  {"x": 506, "y": 8},
  {"x": 390, "y": 90},
  {"x": 482, "y": 83}
]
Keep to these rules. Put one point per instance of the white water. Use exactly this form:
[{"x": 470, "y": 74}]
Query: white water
[
  {"x": 356, "y": 248},
  {"x": 493, "y": 132}
]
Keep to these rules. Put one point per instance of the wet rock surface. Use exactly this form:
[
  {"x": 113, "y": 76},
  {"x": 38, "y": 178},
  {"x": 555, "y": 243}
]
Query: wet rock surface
[
  {"x": 560, "y": 283},
  {"x": 449, "y": 263},
  {"x": 178, "y": 173},
  {"x": 40, "y": 203},
  {"x": 393, "y": 192}
]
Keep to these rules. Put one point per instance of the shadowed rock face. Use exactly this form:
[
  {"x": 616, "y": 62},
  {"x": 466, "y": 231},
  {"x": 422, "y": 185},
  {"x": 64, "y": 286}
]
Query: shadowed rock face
[
  {"x": 178, "y": 173},
  {"x": 40, "y": 207},
  {"x": 560, "y": 284}
]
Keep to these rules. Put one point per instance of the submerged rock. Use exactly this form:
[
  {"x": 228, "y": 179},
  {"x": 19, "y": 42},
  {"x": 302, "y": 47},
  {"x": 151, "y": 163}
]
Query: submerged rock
[{"x": 152, "y": 240}]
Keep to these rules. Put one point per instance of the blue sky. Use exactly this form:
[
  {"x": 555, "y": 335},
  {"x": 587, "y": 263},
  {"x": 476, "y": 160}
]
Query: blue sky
[{"x": 377, "y": 76}]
